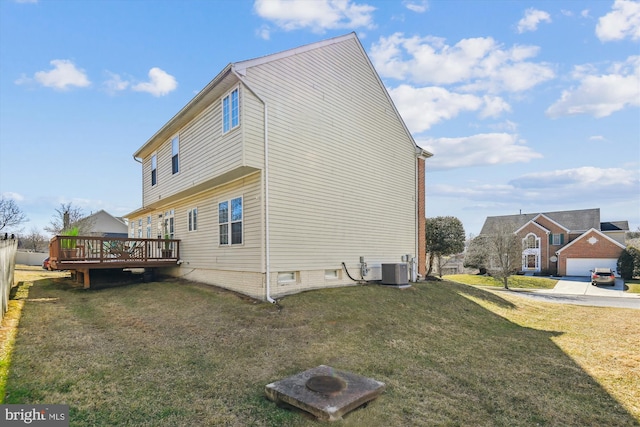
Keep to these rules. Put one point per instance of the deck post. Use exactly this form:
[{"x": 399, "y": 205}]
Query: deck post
[{"x": 84, "y": 277}]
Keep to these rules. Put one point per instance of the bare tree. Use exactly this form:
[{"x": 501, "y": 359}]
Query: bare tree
[
  {"x": 477, "y": 254},
  {"x": 66, "y": 216},
  {"x": 34, "y": 240},
  {"x": 498, "y": 253},
  {"x": 11, "y": 215},
  {"x": 505, "y": 253}
]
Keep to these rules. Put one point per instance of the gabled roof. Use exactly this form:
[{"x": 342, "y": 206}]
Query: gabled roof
[
  {"x": 534, "y": 223},
  {"x": 233, "y": 73},
  {"x": 551, "y": 220},
  {"x": 598, "y": 232},
  {"x": 573, "y": 221}
]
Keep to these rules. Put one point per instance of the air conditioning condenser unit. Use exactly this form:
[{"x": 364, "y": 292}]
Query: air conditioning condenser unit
[{"x": 395, "y": 274}]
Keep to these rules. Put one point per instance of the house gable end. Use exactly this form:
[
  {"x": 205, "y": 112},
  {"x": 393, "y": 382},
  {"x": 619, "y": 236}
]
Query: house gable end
[
  {"x": 242, "y": 69},
  {"x": 542, "y": 218},
  {"x": 533, "y": 224},
  {"x": 593, "y": 233}
]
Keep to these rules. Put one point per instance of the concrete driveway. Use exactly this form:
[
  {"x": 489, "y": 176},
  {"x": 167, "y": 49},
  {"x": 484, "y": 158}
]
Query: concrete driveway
[
  {"x": 583, "y": 286},
  {"x": 579, "y": 291}
]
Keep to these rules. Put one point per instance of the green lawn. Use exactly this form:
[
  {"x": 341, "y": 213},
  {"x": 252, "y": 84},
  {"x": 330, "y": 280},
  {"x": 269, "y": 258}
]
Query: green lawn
[
  {"x": 174, "y": 353},
  {"x": 521, "y": 282},
  {"x": 633, "y": 285}
]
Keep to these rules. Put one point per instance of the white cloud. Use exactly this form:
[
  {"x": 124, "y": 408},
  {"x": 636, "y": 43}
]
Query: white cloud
[
  {"x": 600, "y": 95},
  {"x": 424, "y": 107},
  {"x": 622, "y": 22},
  {"x": 494, "y": 106},
  {"x": 583, "y": 180},
  {"x": 318, "y": 15},
  {"x": 160, "y": 83},
  {"x": 14, "y": 196},
  {"x": 477, "y": 150},
  {"x": 597, "y": 138},
  {"x": 63, "y": 76},
  {"x": 418, "y": 6},
  {"x": 532, "y": 17},
  {"x": 264, "y": 32},
  {"x": 478, "y": 63},
  {"x": 115, "y": 83},
  {"x": 549, "y": 188},
  {"x": 421, "y": 108}
]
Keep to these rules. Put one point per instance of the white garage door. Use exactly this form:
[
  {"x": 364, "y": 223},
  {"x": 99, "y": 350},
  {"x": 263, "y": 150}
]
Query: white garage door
[{"x": 582, "y": 266}]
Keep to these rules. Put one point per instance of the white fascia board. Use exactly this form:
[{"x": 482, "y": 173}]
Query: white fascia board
[
  {"x": 241, "y": 66},
  {"x": 534, "y": 223}
]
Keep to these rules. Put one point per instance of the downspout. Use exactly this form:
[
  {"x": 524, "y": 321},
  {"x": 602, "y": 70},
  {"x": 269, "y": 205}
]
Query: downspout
[
  {"x": 414, "y": 275},
  {"x": 267, "y": 241}
]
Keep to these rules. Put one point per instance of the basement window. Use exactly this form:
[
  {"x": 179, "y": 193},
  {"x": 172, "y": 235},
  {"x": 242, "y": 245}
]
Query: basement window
[
  {"x": 286, "y": 277},
  {"x": 332, "y": 274}
]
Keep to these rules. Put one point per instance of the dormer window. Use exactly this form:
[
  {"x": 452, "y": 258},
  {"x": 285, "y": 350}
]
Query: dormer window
[{"x": 231, "y": 111}]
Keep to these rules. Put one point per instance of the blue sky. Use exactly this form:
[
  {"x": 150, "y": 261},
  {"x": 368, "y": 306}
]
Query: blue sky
[{"x": 528, "y": 106}]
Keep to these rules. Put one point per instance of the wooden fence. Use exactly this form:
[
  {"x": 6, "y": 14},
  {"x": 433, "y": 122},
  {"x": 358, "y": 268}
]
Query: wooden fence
[{"x": 8, "y": 249}]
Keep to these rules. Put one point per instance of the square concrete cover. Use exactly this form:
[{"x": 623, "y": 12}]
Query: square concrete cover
[{"x": 326, "y": 405}]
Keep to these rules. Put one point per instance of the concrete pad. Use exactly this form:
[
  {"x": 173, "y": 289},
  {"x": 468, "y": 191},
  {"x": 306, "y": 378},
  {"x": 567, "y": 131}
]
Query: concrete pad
[
  {"x": 583, "y": 286},
  {"x": 326, "y": 403}
]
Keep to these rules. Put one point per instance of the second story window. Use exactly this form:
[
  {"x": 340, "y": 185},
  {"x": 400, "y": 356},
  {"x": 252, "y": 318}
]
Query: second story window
[
  {"x": 230, "y": 111},
  {"x": 154, "y": 170},
  {"x": 175, "y": 151},
  {"x": 557, "y": 239}
]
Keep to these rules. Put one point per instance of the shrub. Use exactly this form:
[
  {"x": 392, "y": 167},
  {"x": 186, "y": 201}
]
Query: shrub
[{"x": 629, "y": 263}]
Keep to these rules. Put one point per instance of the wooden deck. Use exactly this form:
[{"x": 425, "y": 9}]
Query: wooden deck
[{"x": 81, "y": 254}]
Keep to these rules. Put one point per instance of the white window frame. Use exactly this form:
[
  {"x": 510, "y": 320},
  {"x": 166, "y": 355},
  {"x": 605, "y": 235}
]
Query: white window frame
[
  {"x": 228, "y": 110},
  {"x": 229, "y": 222},
  {"x": 525, "y": 241},
  {"x": 287, "y": 277},
  {"x": 556, "y": 239},
  {"x": 148, "y": 227},
  {"x": 192, "y": 219},
  {"x": 175, "y": 154},
  {"x": 332, "y": 274},
  {"x": 154, "y": 169}
]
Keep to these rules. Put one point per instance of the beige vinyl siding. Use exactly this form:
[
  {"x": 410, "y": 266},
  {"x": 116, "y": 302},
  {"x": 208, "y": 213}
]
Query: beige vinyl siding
[
  {"x": 205, "y": 152},
  {"x": 253, "y": 130},
  {"x": 342, "y": 168},
  {"x": 200, "y": 249}
]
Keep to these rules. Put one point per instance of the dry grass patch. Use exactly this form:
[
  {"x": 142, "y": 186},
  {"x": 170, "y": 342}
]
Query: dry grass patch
[
  {"x": 182, "y": 354},
  {"x": 520, "y": 282},
  {"x": 602, "y": 341}
]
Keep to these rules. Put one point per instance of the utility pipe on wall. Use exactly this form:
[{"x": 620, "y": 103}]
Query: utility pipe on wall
[{"x": 265, "y": 175}]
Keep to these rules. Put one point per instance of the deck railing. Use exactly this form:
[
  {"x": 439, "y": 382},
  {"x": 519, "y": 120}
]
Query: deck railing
[{"x": 106, "y": 251}]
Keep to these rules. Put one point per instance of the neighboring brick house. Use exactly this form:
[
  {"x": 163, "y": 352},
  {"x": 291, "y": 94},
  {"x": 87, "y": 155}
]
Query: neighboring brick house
[{"x": 565, "y": 243}]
